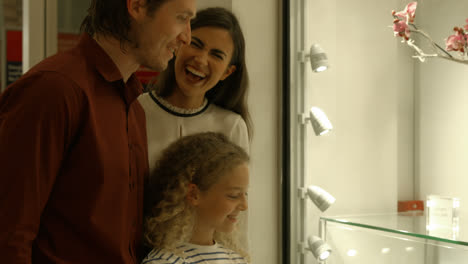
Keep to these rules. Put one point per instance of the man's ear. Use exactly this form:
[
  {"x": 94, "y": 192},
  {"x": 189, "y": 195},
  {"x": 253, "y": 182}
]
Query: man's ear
[
  {"x": 193, "y": 194},
  {"x": 136, "y": 8},
  {"x": 230, "y": 69}
]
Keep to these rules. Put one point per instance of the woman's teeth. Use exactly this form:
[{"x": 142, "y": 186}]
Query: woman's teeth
[{"x": 195, "y": 72}]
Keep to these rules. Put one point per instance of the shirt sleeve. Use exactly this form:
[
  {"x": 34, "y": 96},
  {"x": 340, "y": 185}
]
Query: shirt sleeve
[
  {"x": 39, "y": 116},
  {"x": 240, "y": 136}
]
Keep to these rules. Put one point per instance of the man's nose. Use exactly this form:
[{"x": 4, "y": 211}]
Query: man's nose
[{"x": 186, "y": 35}]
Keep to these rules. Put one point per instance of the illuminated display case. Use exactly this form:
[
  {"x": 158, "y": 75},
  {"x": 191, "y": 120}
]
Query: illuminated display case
[{"x": 398, "y": 134}]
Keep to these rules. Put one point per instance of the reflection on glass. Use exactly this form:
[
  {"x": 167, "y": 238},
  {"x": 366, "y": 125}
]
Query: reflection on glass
[
  {"x": 442, "y": 218},
  {"x": 70, "y": 14},
  {"x": 10, "y": 41},
  {"x": 352, "y": 252},
  {"x": 385, "y": 250},
  {"x": 409, "y": 249}
]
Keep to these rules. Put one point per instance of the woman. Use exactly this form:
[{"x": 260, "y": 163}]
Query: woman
[{"x": 204, "y": 87}]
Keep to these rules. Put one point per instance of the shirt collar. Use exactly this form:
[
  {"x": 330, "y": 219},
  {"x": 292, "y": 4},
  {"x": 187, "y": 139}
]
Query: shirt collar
[{"x": 108, "y": 70}]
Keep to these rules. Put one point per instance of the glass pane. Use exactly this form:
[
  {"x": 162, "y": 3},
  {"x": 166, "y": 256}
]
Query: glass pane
[
  {"x": 11, "y": 41},
  {"x": 388, "y": 239},
  {"x": 409, "y": 224},
  {"x": 352, "y": 245},
  {"x": 70, "y": 14}
]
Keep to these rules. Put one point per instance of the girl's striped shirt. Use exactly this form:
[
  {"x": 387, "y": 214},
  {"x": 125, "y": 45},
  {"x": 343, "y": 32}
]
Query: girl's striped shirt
[{"x": 195, "y": 254}]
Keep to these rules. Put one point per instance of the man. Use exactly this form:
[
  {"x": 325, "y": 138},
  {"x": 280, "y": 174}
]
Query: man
[{"x": 73, "y": 152}]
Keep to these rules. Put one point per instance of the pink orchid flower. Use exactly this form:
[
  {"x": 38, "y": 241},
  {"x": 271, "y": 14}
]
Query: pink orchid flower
[
  {"x": 408, "y": 13},
  {"x": 400, "y": 28},
  {"x": 466, "y": 26},
  {"x": 456, "y": 42}
]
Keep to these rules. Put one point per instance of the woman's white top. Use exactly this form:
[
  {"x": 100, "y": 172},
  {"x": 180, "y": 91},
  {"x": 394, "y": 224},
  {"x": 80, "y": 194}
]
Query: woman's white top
[
  {"x": 191, "y": 253},
  {"x": 166, "y": 123}
]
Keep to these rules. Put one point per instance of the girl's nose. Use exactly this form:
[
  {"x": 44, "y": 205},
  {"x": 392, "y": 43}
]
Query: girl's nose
[{"x": 243, "y": 205}]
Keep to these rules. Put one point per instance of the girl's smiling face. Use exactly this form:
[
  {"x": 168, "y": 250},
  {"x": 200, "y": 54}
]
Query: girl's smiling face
[
  {"x": 200, "y": 65},
  {"x": 218, "y": 208}
]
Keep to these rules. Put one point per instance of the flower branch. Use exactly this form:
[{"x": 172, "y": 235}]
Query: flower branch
[{"x": 403, "y": 27}]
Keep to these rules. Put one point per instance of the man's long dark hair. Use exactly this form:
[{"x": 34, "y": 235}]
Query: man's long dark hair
[{"x": 111, "y": 18}]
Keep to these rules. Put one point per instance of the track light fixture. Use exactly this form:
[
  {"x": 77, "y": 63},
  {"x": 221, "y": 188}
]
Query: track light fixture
[
  {"x": 319, "y": 121},
  {"x": 321, "y": 198},
  {"x": 318, "y": 58},
  {"x": 319, "y": 248}
]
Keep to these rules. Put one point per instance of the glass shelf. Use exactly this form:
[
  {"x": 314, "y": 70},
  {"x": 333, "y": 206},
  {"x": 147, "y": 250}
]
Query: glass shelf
[
  {"x": 408, "y": 223},
  {"x": 391, "y": 238}
]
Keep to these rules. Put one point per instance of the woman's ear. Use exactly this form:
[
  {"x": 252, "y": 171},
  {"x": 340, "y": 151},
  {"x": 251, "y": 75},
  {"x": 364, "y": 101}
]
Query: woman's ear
[
  {"x": 193, "y": 194},
  {"x": 230, "y": 69}
]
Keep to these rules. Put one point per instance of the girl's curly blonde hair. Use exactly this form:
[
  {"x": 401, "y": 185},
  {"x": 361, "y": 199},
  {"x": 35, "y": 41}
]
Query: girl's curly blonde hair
[{"x": 200, "y": 159}]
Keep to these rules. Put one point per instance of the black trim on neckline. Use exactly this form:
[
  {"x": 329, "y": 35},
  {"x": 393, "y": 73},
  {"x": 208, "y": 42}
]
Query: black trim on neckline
[{"x": 172, "y": 112}]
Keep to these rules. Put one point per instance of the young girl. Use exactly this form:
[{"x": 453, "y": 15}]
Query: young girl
[{"x": 195, "y": 201}]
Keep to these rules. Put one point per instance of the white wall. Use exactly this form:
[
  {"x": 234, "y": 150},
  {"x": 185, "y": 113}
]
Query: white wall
[
  {"x": 366, "y": 162},
  {"x": 367, "y": 93},
  {"x": 260, "y": 23},
  {"x": 201, "y": 4},
  {"x": 442, "y": 91}
]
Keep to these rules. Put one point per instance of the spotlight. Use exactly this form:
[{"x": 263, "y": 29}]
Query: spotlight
[
  {"x": 319, "y": 121},
  {"x": 319, "y": 248},
  {"x": 320, "y": 197},
  {"x": 318, "y": 58}
]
